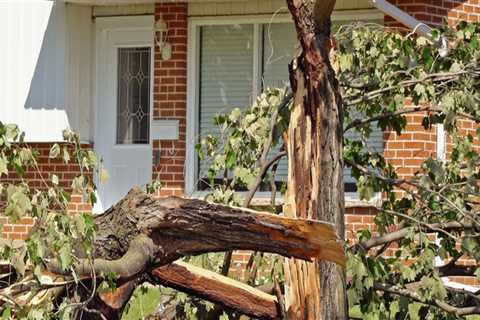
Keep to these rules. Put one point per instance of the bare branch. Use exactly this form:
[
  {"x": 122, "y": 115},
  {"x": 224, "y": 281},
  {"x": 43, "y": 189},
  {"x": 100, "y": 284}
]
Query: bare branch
[
  {"x": 361, "y": 122},
  {"x": 402, "y": 233},
  {"x": 458, "y": 311}
]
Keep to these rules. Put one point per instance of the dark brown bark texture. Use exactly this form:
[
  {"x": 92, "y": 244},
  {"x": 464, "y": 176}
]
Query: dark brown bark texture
[
  {"x": 171, "y": 228},
  {"x": 315, "y": 141}
]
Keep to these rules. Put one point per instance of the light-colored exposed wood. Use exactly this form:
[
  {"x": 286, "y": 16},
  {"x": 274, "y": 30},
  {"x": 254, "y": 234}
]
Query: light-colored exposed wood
[{"x": 217, "y": 288}]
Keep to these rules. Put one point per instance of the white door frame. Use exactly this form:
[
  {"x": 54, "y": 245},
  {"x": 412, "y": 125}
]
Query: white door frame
[{"x": 103, "y": 28}]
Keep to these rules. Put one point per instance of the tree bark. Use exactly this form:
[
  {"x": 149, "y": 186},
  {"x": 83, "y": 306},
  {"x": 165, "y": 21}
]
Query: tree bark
[
  {"x": 163, "y": 230},
  {"x": 315, "y": 183}
]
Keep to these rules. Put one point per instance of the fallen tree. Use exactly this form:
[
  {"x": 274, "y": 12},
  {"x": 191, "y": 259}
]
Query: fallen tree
[{"x": 140, "y": 234}]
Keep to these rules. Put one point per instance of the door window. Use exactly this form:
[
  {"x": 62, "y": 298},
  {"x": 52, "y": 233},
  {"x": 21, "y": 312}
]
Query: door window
[{"x": 133, "y": 96}]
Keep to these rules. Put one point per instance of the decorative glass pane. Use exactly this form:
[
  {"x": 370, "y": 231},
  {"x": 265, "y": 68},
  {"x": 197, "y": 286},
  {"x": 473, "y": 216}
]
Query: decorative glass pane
[{"x": 133, "y": 96}]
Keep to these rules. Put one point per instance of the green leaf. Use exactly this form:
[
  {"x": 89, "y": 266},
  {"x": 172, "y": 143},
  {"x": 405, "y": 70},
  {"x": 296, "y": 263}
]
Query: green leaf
[
  {"x": 54, "y": 151},
  {"x": 3, "y": 166},
  {"x": 11, "y": 131},
  {"x": 413, "y": 310},
  {"x": 419, "y": 89},
  {"x": 55, "y": 179},
  {"x": 235, "y": 115},
  {"x": 346, "y": 62},
  {"x": 422, "y": 41},
  {"x": 477, "y": 273},
  {"x": 78, "y": 184},
  {"x": 18, "y": 202},
  {"x": 7, "y": 313},
  {"x": 66, "y": 155},
  {"x": 18, "y": 261},
  {"x": 65, "y": 256},
  {"x": 456, "y": 67},
  {"x": 469, "y": 244}
]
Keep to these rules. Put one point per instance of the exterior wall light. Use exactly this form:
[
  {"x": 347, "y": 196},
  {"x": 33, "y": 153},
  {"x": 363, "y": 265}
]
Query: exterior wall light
[{"x": 161, "y": 34}]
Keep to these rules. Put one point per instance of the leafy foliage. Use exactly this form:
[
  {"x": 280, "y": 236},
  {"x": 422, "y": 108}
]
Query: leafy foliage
[
  {"x": 379, "y": 71},
  {"x": 56, "y": 231}
]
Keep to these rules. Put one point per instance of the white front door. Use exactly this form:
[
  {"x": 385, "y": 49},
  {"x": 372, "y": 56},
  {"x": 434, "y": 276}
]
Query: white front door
[{"x": 124, "y": 105}]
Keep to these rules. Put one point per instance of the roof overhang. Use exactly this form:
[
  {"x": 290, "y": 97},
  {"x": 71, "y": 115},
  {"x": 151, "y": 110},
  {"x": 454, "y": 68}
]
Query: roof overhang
[{"x": 130, "y": 2}]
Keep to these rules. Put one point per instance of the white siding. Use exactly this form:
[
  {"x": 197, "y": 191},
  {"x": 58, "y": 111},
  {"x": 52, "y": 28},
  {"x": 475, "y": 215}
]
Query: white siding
[
  {"x": 80, "y": 69},
  {"x": 36, "y": 68}
]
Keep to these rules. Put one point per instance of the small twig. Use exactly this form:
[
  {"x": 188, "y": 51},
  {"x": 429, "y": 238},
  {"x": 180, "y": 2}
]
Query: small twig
[
  {"x": 280, "y": 299},
  {"x": 227, "y": 261}
]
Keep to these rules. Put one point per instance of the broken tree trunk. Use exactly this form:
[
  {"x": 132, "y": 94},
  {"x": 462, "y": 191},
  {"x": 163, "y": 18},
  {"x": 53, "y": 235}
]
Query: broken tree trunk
[
  {"x": 142, "y": 233},
  {"x": 315, "y": 182},
  {"x": 159, "y": 231}
]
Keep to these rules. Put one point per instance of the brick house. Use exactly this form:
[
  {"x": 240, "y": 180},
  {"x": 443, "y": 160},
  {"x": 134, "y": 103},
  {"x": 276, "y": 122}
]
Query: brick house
[{"x": 141, "y": 81}]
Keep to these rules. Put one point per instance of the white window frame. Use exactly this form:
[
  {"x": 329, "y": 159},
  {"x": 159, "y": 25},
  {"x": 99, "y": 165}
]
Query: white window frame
[{"x": 193, "y": 63}]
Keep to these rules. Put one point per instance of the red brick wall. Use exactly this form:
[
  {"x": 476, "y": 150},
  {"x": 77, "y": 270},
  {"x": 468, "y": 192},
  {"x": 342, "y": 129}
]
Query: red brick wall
[
  {"x": 40, "y": 179},
  {"x": 436, "y": 12},
  {"x": 406, "y": 152},
  {"x": 170, "y": 98}
]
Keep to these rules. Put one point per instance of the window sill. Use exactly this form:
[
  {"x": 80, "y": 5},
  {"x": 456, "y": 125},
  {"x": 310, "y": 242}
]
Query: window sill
[{"x": 262, "y": 199}]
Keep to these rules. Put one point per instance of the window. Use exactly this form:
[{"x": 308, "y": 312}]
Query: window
[
  {"x": 133, "y": 96},
  {"x": 235, "y": 62}
]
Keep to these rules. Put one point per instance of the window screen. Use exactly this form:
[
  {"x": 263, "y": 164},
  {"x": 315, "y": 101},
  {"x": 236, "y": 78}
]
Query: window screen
[{"x": 226, "y": 74}]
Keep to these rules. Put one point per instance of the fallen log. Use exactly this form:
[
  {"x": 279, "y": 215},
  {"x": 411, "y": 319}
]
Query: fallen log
[
  {"x": 142, "y": 232},
  {"x": 216, "y": 288}
]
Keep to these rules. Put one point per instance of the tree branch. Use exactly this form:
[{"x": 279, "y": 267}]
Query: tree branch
[
  {"x": 134, "y": 261},
  {"x": 402, "y": 233},
  {"x": 458, "y": 311},
  {"x": 434, "y": 77},
  {"x": 361, "y": 122}
]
